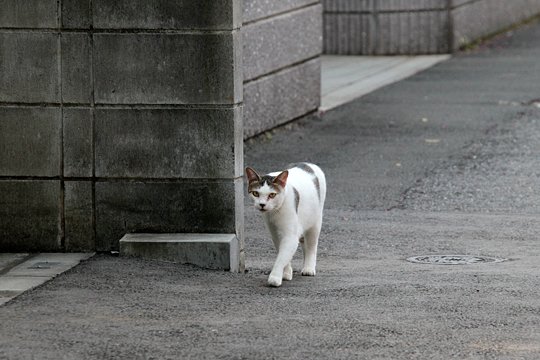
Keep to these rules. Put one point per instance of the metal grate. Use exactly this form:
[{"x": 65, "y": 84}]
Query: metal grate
[
  {"x": 453, "y": 259},
  {"x": 43, "y": 265}
]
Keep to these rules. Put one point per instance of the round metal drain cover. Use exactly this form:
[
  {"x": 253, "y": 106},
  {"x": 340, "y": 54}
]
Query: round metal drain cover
[{"x": 453, "y": 259}]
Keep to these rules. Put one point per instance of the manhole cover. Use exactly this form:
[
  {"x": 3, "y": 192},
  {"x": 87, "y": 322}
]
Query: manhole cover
[
  {"x": 43, "y": 265},
  {"x": 453, "y": 259}
]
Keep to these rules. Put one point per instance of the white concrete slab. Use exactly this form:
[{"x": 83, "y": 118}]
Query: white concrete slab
[{"x": 345, "y": 78}]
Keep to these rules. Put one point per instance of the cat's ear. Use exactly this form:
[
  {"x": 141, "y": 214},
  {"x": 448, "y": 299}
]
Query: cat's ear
[
  {"x": 252, "y": 175},
  {"x": 281, "y": 179}
]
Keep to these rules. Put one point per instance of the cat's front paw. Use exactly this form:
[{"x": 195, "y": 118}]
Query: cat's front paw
[
  {"x": 274, "y": 281},
  {"x": 308, "y": 272}
]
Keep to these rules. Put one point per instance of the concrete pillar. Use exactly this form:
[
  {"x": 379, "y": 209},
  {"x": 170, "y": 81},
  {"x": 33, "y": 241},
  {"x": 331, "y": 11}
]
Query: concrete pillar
[{"x": 119, "y": 116}]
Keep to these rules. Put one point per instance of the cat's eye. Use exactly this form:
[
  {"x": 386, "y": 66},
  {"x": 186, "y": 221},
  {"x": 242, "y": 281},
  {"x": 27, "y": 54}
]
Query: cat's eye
[
  {"x": 272, "y": 195},
  {"x": 255, "y": 193}
]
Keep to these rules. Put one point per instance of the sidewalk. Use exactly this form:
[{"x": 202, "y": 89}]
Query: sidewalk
[
  {"x": 346, "y": 78},
  {"x": 444, "y": 162},
  {"x": 22, "y": 272}
]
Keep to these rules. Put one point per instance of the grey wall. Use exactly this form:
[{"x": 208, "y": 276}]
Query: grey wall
[
  {"x": 118, "y": 116},
  {"x": 282, "y": 47},
  {"x": 392, "y": 27},
  {"x": 381, "y": 27},
  {"x": 473, "y": 19}
]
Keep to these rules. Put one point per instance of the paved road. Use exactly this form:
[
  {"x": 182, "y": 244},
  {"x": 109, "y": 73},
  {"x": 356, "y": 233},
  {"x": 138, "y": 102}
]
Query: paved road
[{"x": 446, "y": 162}]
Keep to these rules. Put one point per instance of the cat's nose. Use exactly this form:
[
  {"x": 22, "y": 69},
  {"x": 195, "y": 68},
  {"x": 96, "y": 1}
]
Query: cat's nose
[{"x": 262, "y": 206}]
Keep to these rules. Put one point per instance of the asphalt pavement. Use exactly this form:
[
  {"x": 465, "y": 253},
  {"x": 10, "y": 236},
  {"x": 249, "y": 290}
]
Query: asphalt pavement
[{"x": 446, "y": 162}]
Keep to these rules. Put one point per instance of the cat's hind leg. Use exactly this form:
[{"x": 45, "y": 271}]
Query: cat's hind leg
[{"x": 311, "y": 241}]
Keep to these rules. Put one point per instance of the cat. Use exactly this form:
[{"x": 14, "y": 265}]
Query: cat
[{"x": 291, "y": 203}]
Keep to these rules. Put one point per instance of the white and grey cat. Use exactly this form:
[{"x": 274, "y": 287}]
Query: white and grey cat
[{"x": 291, "y": 203}]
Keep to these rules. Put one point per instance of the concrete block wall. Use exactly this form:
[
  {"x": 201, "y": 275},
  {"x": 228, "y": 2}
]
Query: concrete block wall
[
  {"x": 385, "y": 27},
  {"x": 474, "y": 19},
  {"x": 118, "y": 116},
  {"x": 395, "y": 27},
  {"x": 282, "y": 48}
]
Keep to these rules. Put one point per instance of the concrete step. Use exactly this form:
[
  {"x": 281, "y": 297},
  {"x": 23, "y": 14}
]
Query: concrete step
[{"x": 211, "y": 251}]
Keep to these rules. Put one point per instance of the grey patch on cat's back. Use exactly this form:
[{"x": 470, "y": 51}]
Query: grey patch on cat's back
[
  {"x": 317, "y": 186},
  {"x": 296, "y": 199},
  {"x": 303, "y": 166}
]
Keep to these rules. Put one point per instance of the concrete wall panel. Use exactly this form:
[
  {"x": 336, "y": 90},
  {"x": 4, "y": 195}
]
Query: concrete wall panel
[
  {"x": 78, "y": 214},
  {"x": 30, "y": 141},
  {"x": 167, "y": 143},
  {"x": 30, "y": 213},
  {"x": 28, "y": 14},
  {"x": 166, "y": 68},
  {"x": 78, "y": 148},
  {"x": 167, "y": 14},
  {"x": 282, "y": 41},
  {"x": 277, "y": 99},
  {"x": 260, "y": 9},
  {"x": 76, "y": 14},
  {"x": 29, "y": 67},
  {"x": 76, "y": 68}
]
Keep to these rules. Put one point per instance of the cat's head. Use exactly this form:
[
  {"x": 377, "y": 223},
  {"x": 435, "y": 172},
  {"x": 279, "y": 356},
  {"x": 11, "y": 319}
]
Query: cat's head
[{"x": 267, "y": 192}]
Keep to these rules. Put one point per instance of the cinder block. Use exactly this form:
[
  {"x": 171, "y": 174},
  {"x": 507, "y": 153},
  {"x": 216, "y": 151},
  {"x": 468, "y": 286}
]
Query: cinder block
[
  {"x": 211, "y": 251},
  {"x": 30, "y": 213},
  {"x": 76, "y": 14},
  {"x": 30, "y": 141},
  {"x": 167, "y": 14},
  {"x": 78, "y": 216},
  {"x": 188, "y": 206},
  {"x": 281, "y": 41},
  {"x": 168, "y": 143},
  {"x": 78, "y": 149},
  {"x": 76, "y": 68},
  {"x": 167, "y": 68},
  {"x": 28, "y": 14},
  {"x": 281, "y": 97},
  {"x": 257, "y": 9},
  {"x": 29, "y": 67}
]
